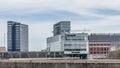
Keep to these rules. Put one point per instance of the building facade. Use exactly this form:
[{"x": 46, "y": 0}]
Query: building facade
[
  {"x": 99, "y": 50},
  {"x": 67, "y": 44},
  {"x": 61, "y": 27},
  {"x": 82, "y": 45},
  {"x": 17, "y": 36},
  {"x": 2, "y": 49},
  {"x": 76, "y": 45},
  {"x": 54, "y": 46},
  {"x": 100, "y": 44},
  {"x": 113, "y": 38}
]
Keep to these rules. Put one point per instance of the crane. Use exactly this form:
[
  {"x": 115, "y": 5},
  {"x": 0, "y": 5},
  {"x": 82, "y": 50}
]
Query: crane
[{"x": 83, "y": 31}]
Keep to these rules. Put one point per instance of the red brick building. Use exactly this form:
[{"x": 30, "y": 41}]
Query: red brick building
[
  {"x": 99, "y": 50},
  {"x": 2, "y": 49}
]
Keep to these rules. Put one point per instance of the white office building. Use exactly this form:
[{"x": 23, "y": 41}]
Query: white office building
[{"x": 70, "y": 44}]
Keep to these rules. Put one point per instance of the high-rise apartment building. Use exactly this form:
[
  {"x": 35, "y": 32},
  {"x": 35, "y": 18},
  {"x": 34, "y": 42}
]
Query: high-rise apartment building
[
  {"x": 61, "y": 27},
  {"x": 17, "y": 36}
]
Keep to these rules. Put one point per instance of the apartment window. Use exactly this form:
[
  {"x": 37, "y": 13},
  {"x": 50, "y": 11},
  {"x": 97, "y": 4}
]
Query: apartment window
[
  {"x": 101, "y": 48},
  {"x": 101, "y": 44},
  {"x": 104, "y": 52},
  {"x": 108, "y": 44},
  {"x": 90, "y": 45},
  {"x": 104, "y": 48},
  {"x": 91, "y": 49},
  {"x": 94, "y": 44},
  {"x": 101, "y": 52},
  {"x": 97, "y": 48},
  {"x": 107, "y": 48},
  {"x": 94, "y": 48}
]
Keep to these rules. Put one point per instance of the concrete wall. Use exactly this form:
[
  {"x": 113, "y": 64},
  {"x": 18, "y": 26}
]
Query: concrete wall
[{"x": 58, "y": 65}]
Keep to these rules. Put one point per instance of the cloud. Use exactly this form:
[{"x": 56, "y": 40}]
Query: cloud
[
  {"x": 106, "y": 12},
  {"x": 48, "y": 8},
  {"x": 50, "y": 16},
  {"x": 77, "y": 6}
]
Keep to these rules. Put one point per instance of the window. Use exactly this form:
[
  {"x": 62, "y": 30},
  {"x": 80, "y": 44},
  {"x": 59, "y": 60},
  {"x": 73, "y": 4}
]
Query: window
[
  {"x": 97, "y": 48},
  {"x": 101, "y": 52},
  {"x": 67, "y": 44},
  {"x": 104, "y": 52},
  {"x": 91, "y": 49},
  {"x": 94, "y": 48},
  {"x": 101, "y": 48},
  {"x": 104, "y": 48}
]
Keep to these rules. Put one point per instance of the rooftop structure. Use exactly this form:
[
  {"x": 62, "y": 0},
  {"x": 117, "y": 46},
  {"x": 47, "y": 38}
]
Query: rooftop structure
[{"x": 61, "y": 27}]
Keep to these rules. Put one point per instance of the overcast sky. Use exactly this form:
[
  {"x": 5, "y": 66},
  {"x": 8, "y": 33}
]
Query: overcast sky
[{"x": 95, "y": 15}]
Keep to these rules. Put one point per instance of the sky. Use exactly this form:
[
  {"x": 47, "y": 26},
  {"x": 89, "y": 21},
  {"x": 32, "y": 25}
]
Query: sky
[{"x": 98, "y": 16}]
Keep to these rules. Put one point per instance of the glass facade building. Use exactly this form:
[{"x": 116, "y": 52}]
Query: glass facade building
[
  {"x": 76, "y": 45},
  {"x": 71, "y": 44},
  {"x": 61, "y": 27},
  {"x": 17, "y": 36},
  {"x": 67, "y": 44}
]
